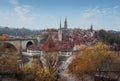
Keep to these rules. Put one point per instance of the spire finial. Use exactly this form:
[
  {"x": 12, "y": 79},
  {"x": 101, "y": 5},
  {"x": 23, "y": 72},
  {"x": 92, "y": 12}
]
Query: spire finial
[{"x": 65, "y": 23}]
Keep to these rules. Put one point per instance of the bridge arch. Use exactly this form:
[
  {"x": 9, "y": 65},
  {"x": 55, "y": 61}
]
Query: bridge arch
[
  {"x": 9, "y": 47},
  {"x": 29, "y": 43},
  {"x": 21, "y": 44}
]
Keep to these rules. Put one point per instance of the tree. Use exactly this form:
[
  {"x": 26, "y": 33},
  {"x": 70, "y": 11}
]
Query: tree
[
  {"x": 8, "y": 65},
  {"x": 81, "y": 63},
  {"x": 109, "y": 37},
  {"x": 37, "y": 72},
  {"x": 93, "y": 60},
  {"x": 51, "y": 62},
  {"x": 45, "y": 68},
  {"x": 3, "y": 36}
]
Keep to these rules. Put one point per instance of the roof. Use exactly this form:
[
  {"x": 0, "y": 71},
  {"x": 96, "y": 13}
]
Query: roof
[
  {"x": 49, "y": 45},
  {"x": 34, "y": 47},
  {"x": 65, "y": 45}
]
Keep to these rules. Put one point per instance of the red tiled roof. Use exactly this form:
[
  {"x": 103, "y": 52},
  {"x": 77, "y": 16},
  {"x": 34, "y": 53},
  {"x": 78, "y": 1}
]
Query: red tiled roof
[
  {"x": 49, "y": 45},
  {"x": 33, "y": 47},
  {"x": 66, "y": 45}
]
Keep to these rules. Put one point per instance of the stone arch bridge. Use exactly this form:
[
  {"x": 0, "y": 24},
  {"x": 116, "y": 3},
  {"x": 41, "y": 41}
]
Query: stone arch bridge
[{"x": 21, "y": 44}]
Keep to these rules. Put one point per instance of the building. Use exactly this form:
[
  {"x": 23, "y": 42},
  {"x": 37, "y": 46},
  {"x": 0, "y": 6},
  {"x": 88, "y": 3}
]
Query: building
[
  {"x": 32, "y": 50},
  {"x": 62, "y": 30},
  {"x": 65, "y": 24}
]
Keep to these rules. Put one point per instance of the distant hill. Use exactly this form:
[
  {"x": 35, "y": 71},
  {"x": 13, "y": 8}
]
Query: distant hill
[{"x": 18, "y": 31}]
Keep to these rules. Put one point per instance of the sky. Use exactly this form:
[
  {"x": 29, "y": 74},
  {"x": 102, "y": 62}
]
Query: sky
[{"x": 44, "y": 14}]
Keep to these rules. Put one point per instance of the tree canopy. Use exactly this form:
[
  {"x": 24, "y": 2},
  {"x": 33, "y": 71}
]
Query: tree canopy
[{"x": 92, "y": 60}]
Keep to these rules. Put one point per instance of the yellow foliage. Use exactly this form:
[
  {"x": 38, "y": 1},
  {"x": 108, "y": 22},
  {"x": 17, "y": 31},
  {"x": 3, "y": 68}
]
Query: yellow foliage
[
  {"x": 3, "y": 36},
  {"x": 8, "y": 65},
  {"x": 91, "y": 59},
  {"x": 37, "y": 72}
]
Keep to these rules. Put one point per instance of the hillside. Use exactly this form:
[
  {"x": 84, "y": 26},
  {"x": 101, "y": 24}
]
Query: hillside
[{"x": 18, "y": 31}]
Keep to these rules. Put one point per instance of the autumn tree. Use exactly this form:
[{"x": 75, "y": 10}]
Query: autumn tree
[
  {"x": 45, "y": 68},
  {"x": 50, "y": 61},
  {"x": 93, "y": 60},
  {"x": 49, "y": 55},
  {"x": 8, "y": 65},
  {"x": 3, "y": 37},
  {"x": 36, "y": 72},
  {"x": 29, "y": 72},
  {"x": 82, "y": 64}
]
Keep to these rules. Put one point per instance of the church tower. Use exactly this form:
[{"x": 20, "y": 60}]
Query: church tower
[
  {"x": 92, "y": 31},
  {"x": 60, "y": 32},
  {"x": 65, "y": 23},
  {"x": 60, "y": 24},
  {"x": 91, "y": 28}
]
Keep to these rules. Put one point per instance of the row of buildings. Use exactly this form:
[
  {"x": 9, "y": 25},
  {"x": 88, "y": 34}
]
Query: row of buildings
[
  {"x": 62, "y": 42},
  {"x": 63, "y": 39}
]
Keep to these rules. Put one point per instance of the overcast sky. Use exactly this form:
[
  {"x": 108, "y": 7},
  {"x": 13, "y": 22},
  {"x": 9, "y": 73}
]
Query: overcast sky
[{"x": 43, "y": 14}]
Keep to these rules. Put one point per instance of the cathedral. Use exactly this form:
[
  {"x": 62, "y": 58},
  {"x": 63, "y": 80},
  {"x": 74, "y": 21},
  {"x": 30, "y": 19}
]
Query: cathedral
[
  {"x": 65, "y": 25},
  {"x": 62, "y": 29}
]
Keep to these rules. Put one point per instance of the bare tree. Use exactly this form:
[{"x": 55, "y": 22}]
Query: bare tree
[{"x": 50, "y": 61}]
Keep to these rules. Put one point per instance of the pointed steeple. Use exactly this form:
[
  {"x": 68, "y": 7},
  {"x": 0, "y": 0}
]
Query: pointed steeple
[
  {"x": 91, "y": 28},
  {"x": 60, "y": 24},
  {"x": 65, "y": 23}
]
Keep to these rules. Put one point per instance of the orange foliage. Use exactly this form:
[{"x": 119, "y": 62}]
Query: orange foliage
[
  {"x": 8, "y": 65},
  {"x": 93, "y": 59},
  {"x": 4, "y": 36},
  {"x": 37, "y": 72}
]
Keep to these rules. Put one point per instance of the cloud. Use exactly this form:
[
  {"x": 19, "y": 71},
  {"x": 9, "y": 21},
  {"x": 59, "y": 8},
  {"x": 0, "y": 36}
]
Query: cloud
[
  {"x": 88, "y": 15},
  {"x": 6, "y": 18},
  {"x": 14, "y": 2},
  {"x": 101, "y": 17},
  {"x": 93, "y": 13},
  {"x": 22, "y": 11},
  {"x": 117, "y": 6},
  {"x": 97, "y": 12}
]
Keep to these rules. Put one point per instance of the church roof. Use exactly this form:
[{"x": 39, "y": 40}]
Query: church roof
[{"x": 49, "y": 45}]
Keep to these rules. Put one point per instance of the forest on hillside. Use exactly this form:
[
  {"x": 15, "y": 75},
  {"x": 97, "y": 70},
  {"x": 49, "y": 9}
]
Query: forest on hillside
[{"x": 18, "y": 31}]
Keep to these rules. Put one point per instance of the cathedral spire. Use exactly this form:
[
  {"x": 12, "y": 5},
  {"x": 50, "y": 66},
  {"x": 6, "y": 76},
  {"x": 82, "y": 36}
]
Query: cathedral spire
[
  {"x": 65, "y": 23},
  {"x": 60, "y": 24},
  {"x": 91, "y": 28}
]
